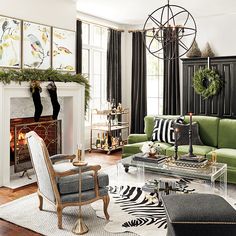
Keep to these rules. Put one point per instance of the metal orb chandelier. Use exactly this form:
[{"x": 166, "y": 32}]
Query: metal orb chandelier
[{"x": 168, "y": 27}]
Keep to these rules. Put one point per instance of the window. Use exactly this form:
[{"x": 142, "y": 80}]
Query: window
[
  {"x": 94, "y": 58},
  {"x": 155, "y": 76}
]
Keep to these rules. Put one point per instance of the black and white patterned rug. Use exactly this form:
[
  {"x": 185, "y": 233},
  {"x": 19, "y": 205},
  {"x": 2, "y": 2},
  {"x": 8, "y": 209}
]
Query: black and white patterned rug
[{"x": 133, "y": 210}]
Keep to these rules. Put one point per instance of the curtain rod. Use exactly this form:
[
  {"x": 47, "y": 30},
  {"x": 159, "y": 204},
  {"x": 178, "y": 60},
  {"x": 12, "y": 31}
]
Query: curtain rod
[
  {"x": 90, "y": 22},
  {"x": 138, "y": 30}
]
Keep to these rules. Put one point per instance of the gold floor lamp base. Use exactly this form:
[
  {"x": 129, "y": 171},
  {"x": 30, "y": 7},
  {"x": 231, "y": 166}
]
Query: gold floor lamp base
[{"x": 80, "y": 227}]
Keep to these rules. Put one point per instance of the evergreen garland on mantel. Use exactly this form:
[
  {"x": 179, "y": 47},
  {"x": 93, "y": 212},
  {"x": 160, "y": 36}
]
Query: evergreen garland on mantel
[{"x": 29, "y": 75}]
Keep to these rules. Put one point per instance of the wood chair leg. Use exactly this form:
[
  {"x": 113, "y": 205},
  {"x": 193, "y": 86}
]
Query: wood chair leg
[
  {"x": 106, "y": 200},
  {"x": 59, "y": 217},
  {"x": 40, "y": 202}
]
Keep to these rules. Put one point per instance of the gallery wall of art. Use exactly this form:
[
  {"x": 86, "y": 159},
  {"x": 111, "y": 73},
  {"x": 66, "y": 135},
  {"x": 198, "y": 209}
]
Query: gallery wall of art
[{"x": 25, "y": 44}]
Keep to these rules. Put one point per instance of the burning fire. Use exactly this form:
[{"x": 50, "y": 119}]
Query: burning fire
[
  {"x": 21, "y": 136},
  {"x": 21, "y": 139}
]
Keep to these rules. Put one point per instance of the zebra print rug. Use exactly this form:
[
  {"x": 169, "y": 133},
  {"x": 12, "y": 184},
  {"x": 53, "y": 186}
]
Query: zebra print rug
[{"x": 132, "y": 211}]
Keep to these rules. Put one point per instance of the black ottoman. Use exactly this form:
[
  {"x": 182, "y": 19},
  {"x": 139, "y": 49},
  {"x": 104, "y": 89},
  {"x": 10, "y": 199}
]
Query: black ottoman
[{"x": 199, "y": 215}]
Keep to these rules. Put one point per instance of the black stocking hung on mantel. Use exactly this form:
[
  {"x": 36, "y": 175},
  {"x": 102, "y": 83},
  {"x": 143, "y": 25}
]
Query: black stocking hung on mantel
[
  {"x": 36, "y": 90},
  {"x": 52, "y": 90}
]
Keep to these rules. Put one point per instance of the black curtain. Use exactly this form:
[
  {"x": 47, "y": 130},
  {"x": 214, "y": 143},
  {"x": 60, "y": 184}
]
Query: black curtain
[
  {"x": 139, "y": 90},
  {"x": 78, "y": 66},
  {"x": 114, "y": 66},
  {"x": 171, "y": 96}
]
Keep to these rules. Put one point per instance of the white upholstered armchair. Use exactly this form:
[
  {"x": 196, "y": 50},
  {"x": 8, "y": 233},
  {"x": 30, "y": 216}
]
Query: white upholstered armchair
[{"x": 58, "y": 181}]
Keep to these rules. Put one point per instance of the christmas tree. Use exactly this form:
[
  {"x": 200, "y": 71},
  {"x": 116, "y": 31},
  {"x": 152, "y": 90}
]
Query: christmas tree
[
  {"x": 194, "y": 51},
  {"x": 207, "y": 52}
]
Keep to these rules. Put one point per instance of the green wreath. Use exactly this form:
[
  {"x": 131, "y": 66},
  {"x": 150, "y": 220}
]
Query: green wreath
[{"x": 207, "y": 82}]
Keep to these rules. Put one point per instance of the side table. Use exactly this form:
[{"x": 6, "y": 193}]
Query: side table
[{"x": 80, "y": 227}]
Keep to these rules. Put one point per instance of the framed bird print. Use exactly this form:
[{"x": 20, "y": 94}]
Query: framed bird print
[
  {"x": 63, "y": 50},
  {"x": 36, "y": 46},
  {"x": 10, "y": 42}
]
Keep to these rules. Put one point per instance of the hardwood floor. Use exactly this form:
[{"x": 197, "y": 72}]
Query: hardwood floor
[{"x": 7, "y": 195}]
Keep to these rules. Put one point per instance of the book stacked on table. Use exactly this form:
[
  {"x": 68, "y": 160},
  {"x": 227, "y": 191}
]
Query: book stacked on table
[{"x": 145, "y": 158}]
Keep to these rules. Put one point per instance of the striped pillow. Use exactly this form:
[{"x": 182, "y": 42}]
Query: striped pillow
[{"x": 164, "y": 129}]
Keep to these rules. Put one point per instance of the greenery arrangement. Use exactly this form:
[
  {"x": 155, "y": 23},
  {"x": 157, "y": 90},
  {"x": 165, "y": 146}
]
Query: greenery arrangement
[
  {"x": 207, "y": 82},
  {"x": 30, "y": 75}
]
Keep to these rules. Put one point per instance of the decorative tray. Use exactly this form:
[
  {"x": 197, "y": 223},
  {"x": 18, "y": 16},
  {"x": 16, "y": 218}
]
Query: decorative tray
[
  {"x": 145, "y": 158},
  {"x": 188, "y": 164},
  {"x": 195, "y": 159}
]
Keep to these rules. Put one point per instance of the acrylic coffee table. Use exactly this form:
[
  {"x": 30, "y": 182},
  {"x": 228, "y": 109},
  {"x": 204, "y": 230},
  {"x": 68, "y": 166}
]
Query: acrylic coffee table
[{"x": 214, "y": 173}]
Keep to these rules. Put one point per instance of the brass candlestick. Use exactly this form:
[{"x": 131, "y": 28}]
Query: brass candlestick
[
  {"x": 79, "y": 152},
  {"x": 80, "y": 227}
]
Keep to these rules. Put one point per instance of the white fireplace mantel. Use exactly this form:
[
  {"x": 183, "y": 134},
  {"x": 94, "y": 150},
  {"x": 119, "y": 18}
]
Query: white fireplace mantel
[{"x": 72, "y": 123}]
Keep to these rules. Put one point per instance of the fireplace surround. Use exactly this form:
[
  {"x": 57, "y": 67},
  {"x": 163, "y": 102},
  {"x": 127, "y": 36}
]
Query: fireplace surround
[{"x": 72, "y": 121}]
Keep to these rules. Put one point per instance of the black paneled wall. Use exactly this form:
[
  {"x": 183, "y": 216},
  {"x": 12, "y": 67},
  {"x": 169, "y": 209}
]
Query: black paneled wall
[{"x": 222, "y": 105}]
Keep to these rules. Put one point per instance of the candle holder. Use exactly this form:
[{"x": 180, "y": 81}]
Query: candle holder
[
  {"x": 190, "y": 154},
  {"x": 79, "y": 152},
  {"x": 80, "y": 227},
  {"x": 176, "y": 144}
]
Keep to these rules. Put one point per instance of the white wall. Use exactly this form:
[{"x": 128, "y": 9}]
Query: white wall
[
  {"x": 59, "y": 13},
  {"x": 96, "y": 20},
  {"x": 220, "y": 32}
]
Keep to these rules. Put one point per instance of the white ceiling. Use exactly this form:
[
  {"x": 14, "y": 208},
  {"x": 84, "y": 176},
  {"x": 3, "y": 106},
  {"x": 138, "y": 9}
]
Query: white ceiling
[{"x": 136, "y": 11}]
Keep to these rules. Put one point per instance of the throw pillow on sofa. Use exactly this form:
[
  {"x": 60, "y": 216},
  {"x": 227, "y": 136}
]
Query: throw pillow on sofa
[
  {"x": 164, "y": 129},
  {"x": 183, "y": 134}
]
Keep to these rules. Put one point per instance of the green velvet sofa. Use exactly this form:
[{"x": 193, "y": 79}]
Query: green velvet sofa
[{"x": 218, "y": 135}]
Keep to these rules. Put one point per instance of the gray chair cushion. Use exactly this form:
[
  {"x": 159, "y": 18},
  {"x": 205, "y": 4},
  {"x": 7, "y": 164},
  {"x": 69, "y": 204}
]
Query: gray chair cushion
[
  {"x": 199, "y": 214},
  {"x": 86, "y": 196},
  {"x": 70, "y": 184}
]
